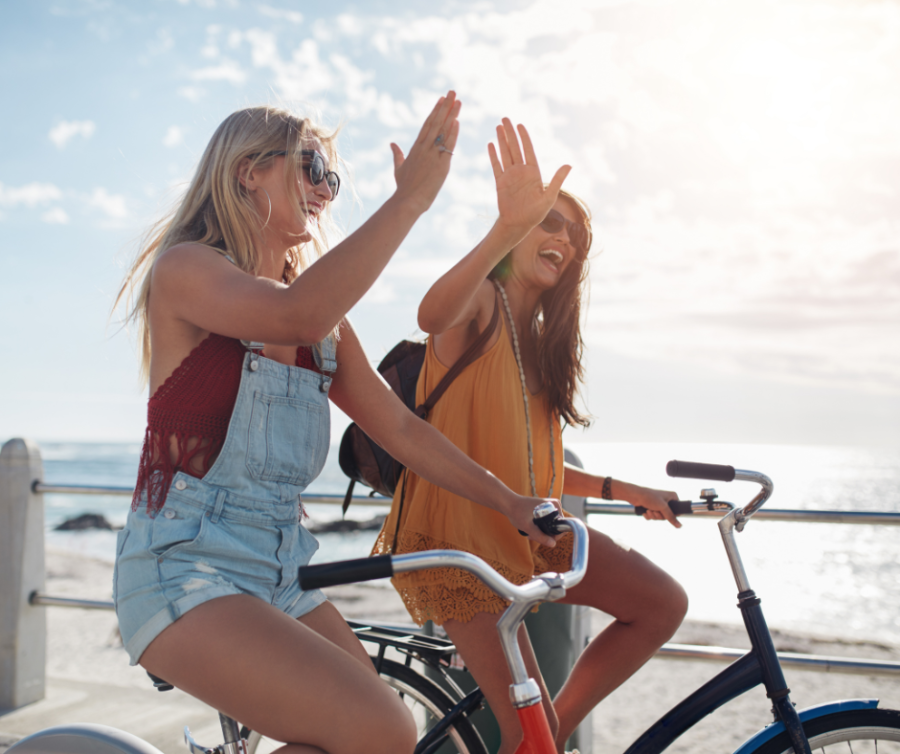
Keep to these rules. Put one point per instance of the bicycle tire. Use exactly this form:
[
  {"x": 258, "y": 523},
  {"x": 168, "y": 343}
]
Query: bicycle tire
[
  {"x": 845, "y": 732},
  {"x": 83, "y": 738},
  {"x": 428, "y": 703},
  {"x": 426, "y": 699}
]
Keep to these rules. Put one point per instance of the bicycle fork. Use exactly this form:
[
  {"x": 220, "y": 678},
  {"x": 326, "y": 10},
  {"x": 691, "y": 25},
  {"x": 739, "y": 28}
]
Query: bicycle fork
[{"x": 525, "y": 694}]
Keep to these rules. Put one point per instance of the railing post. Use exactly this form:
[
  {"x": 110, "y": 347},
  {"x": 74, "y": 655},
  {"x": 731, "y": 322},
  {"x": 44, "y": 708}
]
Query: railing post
[{"x": 23, "y": 628}]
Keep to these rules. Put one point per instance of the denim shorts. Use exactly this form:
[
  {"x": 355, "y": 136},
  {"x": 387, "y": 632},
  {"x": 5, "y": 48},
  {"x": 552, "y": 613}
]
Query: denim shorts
[{"x": 207, "y": 542}]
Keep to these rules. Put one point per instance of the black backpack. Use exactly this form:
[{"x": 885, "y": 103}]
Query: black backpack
[{"x": 360, "y": 457}]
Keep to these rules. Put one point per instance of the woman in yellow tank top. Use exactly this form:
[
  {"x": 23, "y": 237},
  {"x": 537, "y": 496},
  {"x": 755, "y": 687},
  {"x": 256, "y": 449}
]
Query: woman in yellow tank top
[{"x": 504, "y": 411}]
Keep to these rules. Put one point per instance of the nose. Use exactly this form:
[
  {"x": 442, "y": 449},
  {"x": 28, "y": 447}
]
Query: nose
[
  {"x": 323, "y": 191},
  {"x": 563, "y": 234}
]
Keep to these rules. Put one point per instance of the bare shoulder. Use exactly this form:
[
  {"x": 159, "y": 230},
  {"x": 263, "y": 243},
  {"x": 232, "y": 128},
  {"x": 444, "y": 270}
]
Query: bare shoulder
[{"x": 187, "y": 256}]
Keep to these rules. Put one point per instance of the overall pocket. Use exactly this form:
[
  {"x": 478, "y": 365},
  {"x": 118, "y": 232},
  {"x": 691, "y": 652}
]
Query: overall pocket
[
  {"x": 288, "y": 439},
  {"x": 174, "y": 530}
]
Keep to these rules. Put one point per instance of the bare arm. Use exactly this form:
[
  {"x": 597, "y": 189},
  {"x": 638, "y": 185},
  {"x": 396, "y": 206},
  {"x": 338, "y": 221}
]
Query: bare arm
[
  {"x": 205, "y": 290},
  {"x": 455, "y": 300},
  {"x": 580, "y": 483},
  {"x": 359, "y": 391}
]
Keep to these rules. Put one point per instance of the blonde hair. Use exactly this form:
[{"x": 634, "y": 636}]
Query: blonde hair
[{"x": 217, "y": 211}]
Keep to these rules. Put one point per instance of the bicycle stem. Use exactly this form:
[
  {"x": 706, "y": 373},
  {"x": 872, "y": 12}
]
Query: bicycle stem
[{"x": 737, "y": 520}]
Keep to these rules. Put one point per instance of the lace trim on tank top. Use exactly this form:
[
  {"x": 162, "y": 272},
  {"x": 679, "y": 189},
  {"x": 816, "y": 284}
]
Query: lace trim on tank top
[
  {"x": 441, "y": 594},
  {"x": 189, "y": 414}
]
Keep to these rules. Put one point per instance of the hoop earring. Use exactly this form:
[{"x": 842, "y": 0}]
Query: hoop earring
[{"x": 269, "y": 216}]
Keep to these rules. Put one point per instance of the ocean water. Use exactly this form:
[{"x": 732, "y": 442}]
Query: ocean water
[{"x": 826, "y": 579}]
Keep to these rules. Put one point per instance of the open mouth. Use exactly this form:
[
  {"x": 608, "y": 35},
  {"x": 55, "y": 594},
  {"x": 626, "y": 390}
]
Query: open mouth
[{"x": 552, "y": 257}]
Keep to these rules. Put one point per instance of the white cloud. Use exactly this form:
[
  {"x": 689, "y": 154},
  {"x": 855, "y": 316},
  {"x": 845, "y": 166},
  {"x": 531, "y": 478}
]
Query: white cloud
[
  {"x": 56, "y": 216},
  {"x": 64, "y": 131},
  {"x": 227, "y": 70},
  {"x": 174, "y": 136},
  {"x": 112, "y": 205},
  {"x": 191, "y": 93},
  {"x": 29, "y": 195},
  {"x": 381, "y": 292},
  {"x": 294, "y": 17}
]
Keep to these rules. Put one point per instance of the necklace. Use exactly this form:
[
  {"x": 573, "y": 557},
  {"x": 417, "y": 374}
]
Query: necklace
[{"x": 515, "y": 340}]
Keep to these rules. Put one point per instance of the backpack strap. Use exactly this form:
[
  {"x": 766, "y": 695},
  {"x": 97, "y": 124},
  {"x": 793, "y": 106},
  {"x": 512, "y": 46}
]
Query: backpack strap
[{"x": 472, "y": 353}]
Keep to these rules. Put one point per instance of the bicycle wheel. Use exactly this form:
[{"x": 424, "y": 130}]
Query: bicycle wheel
[
  {"x": 856, "y": 731},
  {"x": 428, "y": 703}
]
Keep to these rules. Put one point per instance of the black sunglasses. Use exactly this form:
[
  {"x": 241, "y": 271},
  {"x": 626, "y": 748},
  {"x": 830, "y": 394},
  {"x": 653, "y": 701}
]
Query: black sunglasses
[
  {"x": 315, "y": 169},
  {"x": 578, "y": 233}
]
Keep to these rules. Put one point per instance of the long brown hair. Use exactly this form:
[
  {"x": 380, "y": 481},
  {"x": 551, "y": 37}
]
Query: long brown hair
[
  {"x": 557, "y": 321},
  {"x": 217, "y": 211}
]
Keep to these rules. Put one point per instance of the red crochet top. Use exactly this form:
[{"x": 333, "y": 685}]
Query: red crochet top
[{"x": 188, "y": 415}]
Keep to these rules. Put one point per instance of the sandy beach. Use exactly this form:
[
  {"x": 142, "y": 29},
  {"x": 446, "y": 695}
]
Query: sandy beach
[{"x": 85, "y": 661}]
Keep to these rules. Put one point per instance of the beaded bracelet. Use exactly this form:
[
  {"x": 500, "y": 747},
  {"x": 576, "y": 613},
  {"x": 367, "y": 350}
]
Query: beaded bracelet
[{"x": 607, "y": 488}]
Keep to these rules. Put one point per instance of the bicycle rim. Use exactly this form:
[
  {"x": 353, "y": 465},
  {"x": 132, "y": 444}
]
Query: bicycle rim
[
  {"x": 870, "y": 731},
  {"x": 429, "y": 704}
]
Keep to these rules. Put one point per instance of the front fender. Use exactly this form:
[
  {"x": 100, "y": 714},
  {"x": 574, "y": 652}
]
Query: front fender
[{"x": 811, "y": 713}]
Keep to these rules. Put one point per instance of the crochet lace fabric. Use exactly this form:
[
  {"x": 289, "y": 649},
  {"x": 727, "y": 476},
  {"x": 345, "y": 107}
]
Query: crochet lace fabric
[
  {"x": 188, "y": 416},
  {"x": 440, "y": 594}
]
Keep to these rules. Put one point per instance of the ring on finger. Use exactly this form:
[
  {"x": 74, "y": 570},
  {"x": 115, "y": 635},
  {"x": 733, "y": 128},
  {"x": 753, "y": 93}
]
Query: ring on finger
[{"x": 442, "y": 148}]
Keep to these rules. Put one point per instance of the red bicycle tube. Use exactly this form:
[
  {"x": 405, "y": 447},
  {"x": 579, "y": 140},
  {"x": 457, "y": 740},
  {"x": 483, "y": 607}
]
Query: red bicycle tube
[{"x": 538, "y": 739}]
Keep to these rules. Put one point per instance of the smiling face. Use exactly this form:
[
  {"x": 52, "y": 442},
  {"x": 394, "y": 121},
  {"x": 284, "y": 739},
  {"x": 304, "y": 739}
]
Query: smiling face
[
  {"x": 296, "y": 203},
  {"x": 540, "y": 259}
]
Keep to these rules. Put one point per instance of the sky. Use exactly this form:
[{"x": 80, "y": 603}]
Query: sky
[{"x": 740, "y": 160}]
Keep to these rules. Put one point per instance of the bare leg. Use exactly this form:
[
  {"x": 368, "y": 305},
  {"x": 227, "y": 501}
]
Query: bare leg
[
  {"x": 479, "y": 645},
  {"x": 648, "y": 606},
  {"x": 295, "y": 681}
]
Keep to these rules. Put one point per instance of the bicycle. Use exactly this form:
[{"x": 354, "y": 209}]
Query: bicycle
[{"x": 858, "y": 723}]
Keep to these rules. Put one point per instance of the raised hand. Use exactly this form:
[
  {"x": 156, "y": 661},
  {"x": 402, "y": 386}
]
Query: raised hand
[
  {"x": 522, "y": 199},
  {"x": 421, "y": 174}
]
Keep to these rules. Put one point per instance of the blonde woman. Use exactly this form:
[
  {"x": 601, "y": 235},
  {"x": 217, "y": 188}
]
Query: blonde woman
[
  {"x": 505, "y": 410},
  {"x": 245, "y": 340}
]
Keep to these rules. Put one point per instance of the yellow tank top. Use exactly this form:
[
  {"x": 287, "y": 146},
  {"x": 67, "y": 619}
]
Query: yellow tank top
[{"x": 483, "y": 414}]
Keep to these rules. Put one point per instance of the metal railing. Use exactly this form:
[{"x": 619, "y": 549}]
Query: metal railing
[
  {"x": 667, "y": 651},
  {"x": 613, "y": 509}
]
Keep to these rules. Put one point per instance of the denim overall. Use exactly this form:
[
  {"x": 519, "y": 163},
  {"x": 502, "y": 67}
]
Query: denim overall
[{"x": 236, "y": 530}]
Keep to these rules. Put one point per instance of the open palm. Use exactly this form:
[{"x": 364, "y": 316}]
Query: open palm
[{"x": 522, "y": 198}]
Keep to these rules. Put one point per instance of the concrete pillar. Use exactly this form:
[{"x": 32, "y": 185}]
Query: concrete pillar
[{"x": 23, "y": 628}]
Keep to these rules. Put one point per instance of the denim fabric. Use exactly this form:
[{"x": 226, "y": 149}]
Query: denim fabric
[{"x": 237, "y": 530}]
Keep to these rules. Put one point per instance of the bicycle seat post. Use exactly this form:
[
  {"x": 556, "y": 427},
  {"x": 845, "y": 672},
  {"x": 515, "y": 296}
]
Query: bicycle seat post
[{"x": 232, "y": 735}]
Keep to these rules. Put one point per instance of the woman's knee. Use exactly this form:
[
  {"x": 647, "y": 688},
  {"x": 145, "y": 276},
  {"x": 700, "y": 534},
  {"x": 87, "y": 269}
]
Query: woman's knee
[{"x": 669, "y": 610}]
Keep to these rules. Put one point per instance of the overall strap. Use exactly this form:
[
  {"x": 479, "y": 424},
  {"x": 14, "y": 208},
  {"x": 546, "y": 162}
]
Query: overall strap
[{"x": 472, "y": 353}]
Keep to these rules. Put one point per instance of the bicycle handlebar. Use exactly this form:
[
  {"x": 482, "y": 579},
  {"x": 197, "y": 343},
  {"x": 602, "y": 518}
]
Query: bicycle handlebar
[
  {"x": 726, "y": 474},
  {"x": 381, "y": 566}
]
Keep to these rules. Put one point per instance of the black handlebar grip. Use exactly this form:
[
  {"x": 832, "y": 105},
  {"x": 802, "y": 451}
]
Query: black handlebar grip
[
  {"x": 547, "y": 523},
  {"x": 679, "y": 508},
  {"x": 345, "y": 572},
  {"x": 700, "y": 471}
]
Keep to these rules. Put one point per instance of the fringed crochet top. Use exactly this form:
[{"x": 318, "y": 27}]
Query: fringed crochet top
[{"x": 188, "y": 416}]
